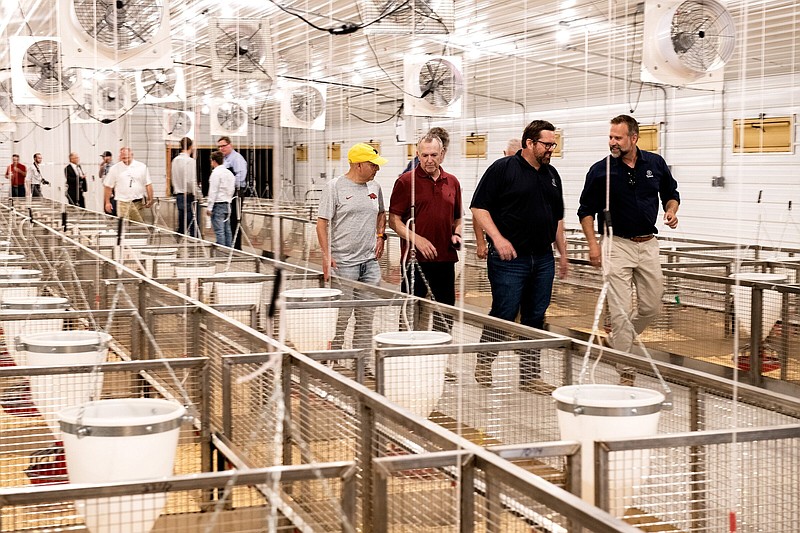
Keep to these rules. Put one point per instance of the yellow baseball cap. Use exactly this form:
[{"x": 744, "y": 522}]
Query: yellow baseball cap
[{"x": 362, "y": 152}]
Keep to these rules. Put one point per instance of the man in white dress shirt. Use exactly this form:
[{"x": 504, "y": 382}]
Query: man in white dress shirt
[
  {"x": 221, "y": 189},
  {"x": 130, "y": 182}
]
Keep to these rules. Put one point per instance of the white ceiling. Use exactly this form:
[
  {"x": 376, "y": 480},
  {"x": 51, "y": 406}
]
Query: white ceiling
[{"x": 509, "y": 48}]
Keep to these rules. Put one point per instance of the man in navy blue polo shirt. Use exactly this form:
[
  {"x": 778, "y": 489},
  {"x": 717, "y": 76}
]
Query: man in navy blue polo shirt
[
  {"x": 636, "y": 179},
  {"x": 519, "y": 204}
]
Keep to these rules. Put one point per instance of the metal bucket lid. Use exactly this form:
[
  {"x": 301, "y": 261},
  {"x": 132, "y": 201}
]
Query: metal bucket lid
[
  {"x": 314, "y": 294},
  {"x": 608, "y": 400},
  {"x": 33, "y": 303},
  {"x": 122, "y": 417},
  {"x": 158, "y": 251},
  {"x": 412, "y": 338},
  {"x": 64, "y": 342},
  {"x": 21, "y": 274},
  {"x": 765, "y": 277}
]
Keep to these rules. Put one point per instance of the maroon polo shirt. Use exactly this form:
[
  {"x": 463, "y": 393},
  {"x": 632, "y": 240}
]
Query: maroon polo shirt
[{"x": 437, "y": 207}]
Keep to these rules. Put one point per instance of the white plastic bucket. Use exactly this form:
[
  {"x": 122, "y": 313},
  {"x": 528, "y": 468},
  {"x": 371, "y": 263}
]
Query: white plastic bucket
[
  {"x": 310, "y": 329},
  {"x": 121, "y": 440},
  {"x": 150, "y": 255},
  {"x": 17, "y": 307},
  {"x": 191, "y": 272},
  {"x": 771, "y": 301},
  {"x": 415, "y": 382},
  {"x": 11, "y": 278},
  {"x": 609, "y": 412},
  {"x": 240, "y": 292},
  {"x": 7, "y": 259},
  {"x": 54, "y": 392}
]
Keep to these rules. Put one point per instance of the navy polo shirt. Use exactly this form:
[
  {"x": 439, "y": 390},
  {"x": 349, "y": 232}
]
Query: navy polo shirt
[
  {"x": 525, "y": 204},
  {"x": 634, "y": 194}
]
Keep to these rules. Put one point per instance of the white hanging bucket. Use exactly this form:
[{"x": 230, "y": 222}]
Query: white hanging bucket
[
  {"x": 771, "y": 301},
  {"x": 121, "y": 440},
  {"x": 11, "y": 278},
  {"x": 17, "y": 306},
  {"x": 415, "y": 382},
  {"x": 310, "y": 329},
  {"x": 240, "y": 292},
  {"x": 55, "y": 392},
  {"x": 191, "y": 272},
  {"x": 150, "y": 255},
  {"x": 9, "y": 260},
  {"x": 609, "y": 412}
]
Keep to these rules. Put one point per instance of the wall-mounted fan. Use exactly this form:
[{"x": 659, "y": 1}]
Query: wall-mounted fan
[
  {"x": 160, "y": 85},
  {"x": 83, "y": 112},
  {"x": 178, "y": 124},
  {"x": 12, "y": 111},
  {"x": 37, "y": 74},
  {"x": 427, "y": 17},
  {"x": 124, "y": 34},
  {"x": 303, "y": 106},
  {"x": 241, "y": 48},
  {"x": 228, "y": 118},
  {"x": 686, "y": 41},
  {"x": 434, "y": 86},
  {"x": 112, "y": 97}
]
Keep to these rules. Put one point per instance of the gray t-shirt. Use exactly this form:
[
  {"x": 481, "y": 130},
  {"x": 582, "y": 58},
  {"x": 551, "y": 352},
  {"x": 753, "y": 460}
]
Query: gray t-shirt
[{"x": 352, "y": 210}]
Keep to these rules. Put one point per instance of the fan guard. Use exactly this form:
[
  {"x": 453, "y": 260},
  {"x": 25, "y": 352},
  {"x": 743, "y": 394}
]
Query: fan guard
[
  {"x": 43, "y": 71},
  {"x": 242, "y": 48},
  {"x": 701, "y": 35},
  {"x": 400, "y": 17},
  {"x": 160, "y": 82},
  {"x": 178, "y": 124},
  {"x": 434, "y": 86},
  {"x": 118, "y": 24},
  {"x": 112, "y": 97},
  {"x": 229, "y": 118},
  {"x": 686, "y": 41},
  {"x": 307, "y": 103}
]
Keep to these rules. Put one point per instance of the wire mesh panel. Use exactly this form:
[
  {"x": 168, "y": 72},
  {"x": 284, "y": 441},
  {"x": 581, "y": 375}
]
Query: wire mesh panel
[{"x": 707, "y": 481}]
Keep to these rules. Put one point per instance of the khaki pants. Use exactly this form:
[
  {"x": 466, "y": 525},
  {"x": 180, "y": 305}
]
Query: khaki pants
[
  {"x": 633, "y": 265},
  {"x": 130, "y": 210}
]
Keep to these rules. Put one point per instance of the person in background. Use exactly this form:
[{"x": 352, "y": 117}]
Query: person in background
[
  {"x": 183, "y": 174},
  {"x": 443, "y": 136},
  {"x": 432, "y": 198},
  {"x": 35, "y": 178},
  {"x": 519, "y": 202},
  {"x": 221, "y": 190},
  {"x": 76, "y": 181},
  {"x": 16, "y": 172},
  {"x": 238, "y": 166},
  {"x": 481, "y": 246},
  {"x": 105, "y": 166},
  {"x": 129, "y": 181},
  {"x": 637, "y": 180},
  {"x": 351, "y": 227}
]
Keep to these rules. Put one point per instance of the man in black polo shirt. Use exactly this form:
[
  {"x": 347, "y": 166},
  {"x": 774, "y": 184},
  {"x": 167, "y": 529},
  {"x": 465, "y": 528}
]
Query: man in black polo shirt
[
  {"x": 637, "y": 179},
  {"x": 519, "y": 203}
]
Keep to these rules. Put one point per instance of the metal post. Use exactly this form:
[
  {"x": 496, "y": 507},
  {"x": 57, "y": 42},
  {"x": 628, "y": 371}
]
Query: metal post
[
  {"x": 366, "y": 453},
  {"x": 601, "y": 473},
  {"x": 756, "y": 320},
  {"x": 378, "y": 503},
  {"x": 697, "y": 461},
  {"x": 467, "y": 489}
]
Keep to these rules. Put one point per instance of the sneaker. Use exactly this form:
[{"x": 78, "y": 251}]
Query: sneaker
[
  {"x": 483, "y": 374},
  {"x": 537, "y": 386}
]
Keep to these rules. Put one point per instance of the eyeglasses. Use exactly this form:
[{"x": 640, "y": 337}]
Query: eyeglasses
[
  {"x": 223, "y": 145},
  {"x": 548, "y": 146}
]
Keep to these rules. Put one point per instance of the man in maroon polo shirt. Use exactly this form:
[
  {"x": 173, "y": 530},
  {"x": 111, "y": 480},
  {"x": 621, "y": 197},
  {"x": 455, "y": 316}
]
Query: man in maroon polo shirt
[{"x": 430, "y": 198}]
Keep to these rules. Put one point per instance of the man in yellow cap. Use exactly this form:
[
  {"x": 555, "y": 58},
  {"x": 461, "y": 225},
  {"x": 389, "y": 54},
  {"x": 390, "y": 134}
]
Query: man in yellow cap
[{"x": 350, "y": 228}]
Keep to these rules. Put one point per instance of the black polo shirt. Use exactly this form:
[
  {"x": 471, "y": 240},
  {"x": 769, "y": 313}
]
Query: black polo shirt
[
  {"x": 525, "y": 204},
  {"x": 634, "y": 193}
]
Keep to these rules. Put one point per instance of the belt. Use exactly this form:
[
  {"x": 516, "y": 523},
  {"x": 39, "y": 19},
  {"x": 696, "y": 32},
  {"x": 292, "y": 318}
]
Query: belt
[{"x": 640, "y": 238}]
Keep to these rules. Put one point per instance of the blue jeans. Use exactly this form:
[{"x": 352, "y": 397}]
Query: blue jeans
[
  {"x": 220, "y": 221},
  {"x": 367, "y": 272},
  {"x": 521, "y": 285},
  {"x": 187, "y": 214}
]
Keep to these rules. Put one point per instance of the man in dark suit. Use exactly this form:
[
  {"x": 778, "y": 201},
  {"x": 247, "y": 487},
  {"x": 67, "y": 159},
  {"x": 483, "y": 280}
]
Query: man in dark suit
[{"x": 76, "y": 181}]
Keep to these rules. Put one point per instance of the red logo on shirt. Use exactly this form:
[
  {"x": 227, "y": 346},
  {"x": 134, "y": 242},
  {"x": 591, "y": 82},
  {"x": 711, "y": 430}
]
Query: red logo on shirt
[{"x": 373, "y": 196}]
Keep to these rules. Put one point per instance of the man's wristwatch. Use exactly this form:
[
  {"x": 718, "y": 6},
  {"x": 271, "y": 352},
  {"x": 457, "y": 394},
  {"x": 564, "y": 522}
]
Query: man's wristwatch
[{"x": 382, "y": 236}]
